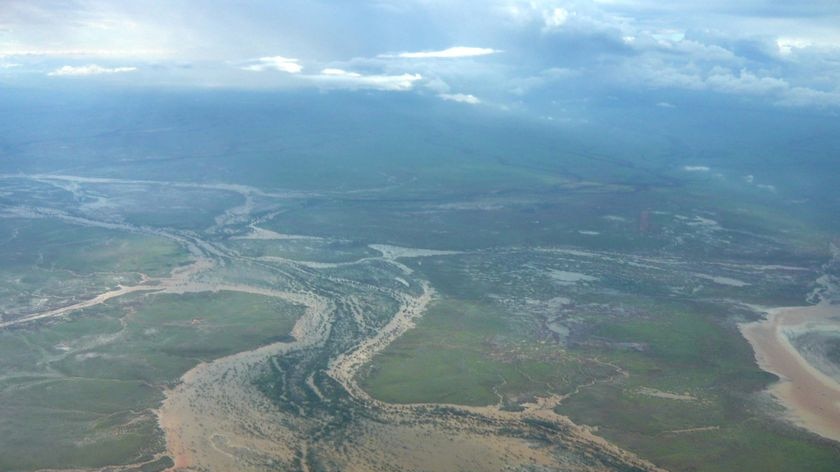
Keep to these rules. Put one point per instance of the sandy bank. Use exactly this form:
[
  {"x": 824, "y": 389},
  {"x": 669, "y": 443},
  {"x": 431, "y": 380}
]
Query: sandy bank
[{"x": 811, "y": 397}]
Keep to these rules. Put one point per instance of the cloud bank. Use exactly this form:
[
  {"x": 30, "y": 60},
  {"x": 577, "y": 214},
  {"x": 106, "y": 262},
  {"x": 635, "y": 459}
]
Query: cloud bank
[
  {"x": 460, "y": 98},
  {"x": 514, "y": 53},
  {"x": 90, "y": 69},
  {"x": 449, "y": 53},
  {"x": 339, "y": 78},
  {"x": 275, "y": 63}
]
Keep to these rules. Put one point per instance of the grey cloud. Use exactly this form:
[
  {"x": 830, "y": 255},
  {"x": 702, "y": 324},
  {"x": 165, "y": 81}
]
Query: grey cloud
[{"x": 785, "y": 53}]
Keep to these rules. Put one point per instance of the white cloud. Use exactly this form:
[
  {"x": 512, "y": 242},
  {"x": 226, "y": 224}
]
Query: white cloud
[
  {"x": 523, "y": 85},
  {"x": 667, "y": 36},
  {"x": 277, "y": 63},
  {"x": 656, "y": 73},
  {"x": 803, "y": 96},
  {"x": 750, "y": 179},
  {"x": 769, "y": 187},
  {"x": 696, "y": 169},
  {"x": 90, "y": 69},
  {"x": 779, "y": 56},
  {"x": 437, "y": 84},
  {"x": 666, "y": 105},
  {"x": 555, "y": 18},
  {"x": 105, "y": 53},
  {"x": 545, "y": 13},
  {"x": 460, "y": 98},
  {"x": 339, "y": 72},
  {"x": 339, "y": 78},
  {"x": 745, "y": 82},
  {"x": 453, "y": 52},
  {"x": 787, "y": 45}
]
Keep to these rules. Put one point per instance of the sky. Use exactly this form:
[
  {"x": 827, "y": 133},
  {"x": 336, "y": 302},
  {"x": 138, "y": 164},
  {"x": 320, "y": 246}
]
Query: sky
[{"x": 493, "y": 53}]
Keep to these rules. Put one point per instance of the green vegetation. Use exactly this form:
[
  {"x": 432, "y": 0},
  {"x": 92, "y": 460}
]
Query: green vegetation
[
  {"x": 713, "y": 423},
  {"x": 84, "y": 251},
  {"x": 462, "y": 356},
  {"x": 50, "y": 263},
  {"x": 660, "y": 370},
  {"x": 592, "y": 265},
  {"x": 79, "y": 392},
  {"x": 316, "y": 250}
]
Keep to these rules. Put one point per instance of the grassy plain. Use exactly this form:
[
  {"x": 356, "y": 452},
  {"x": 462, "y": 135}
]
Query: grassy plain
[
  {"x": 594, "y": 264},
  {"x": 79, "y": 392},
  {"x": 647, "y": 346},
  {"x": 49, "y": 263}
]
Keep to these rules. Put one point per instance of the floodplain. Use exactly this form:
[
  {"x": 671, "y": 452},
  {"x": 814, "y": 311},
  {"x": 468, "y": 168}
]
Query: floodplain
[{"x": 530, "y": 301}]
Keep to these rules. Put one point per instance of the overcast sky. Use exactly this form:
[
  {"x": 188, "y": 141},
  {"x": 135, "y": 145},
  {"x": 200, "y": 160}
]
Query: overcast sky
[{"x": 478, "y": 53}]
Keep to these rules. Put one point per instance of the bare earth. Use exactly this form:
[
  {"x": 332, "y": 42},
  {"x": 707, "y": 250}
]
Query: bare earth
[
  {"x": 811, "y": 397},
  {"x": 217, "y": 419}
]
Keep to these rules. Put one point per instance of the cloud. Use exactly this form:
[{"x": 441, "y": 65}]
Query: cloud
[
  {"x": 771, "y": 188},
  {"x": 771, "y": 53},
  {"x": 276, "y": 63},
  {"x": 81, "y": 53},
  {"x": 90, "y": 69},
  {"x": 750, "y": 179},
  {"x": 460, "y": 98},
  {"x": 658, "y": 73},
  {"x": 668, "y": 105},
  {"x": 342, "y": 79},
  {"x": 745, "y": 82},
  {"x": 788, "y": 45},
  {"x": 332, "y": 71},
  {"x": 555, "y": 18},
  {"x": 696, "y": 169},
  {"x": 803, "y": 96},
  {"x": 450, "y": 53},
  {"x": 523, "y": 85},
  {"x": 437, "y": 84}
]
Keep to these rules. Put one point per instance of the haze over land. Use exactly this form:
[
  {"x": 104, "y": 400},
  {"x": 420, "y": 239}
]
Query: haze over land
[{"x": 506, "y": 235}]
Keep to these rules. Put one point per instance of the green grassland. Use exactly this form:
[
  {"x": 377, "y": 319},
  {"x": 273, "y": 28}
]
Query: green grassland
[
  {"x": 651, "y": 354},
  {"x": 83, "y": 251},
  {"x": 645, "y": 343},
  {"x": 462, "y": 355},
  {"x": 314, "y": 250},
  {"x": 165, "y": 206},
  {"x": 78, "y": 392},
  {"x": 49, "y": 263},
  {"x": 724, "y": 426}
]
